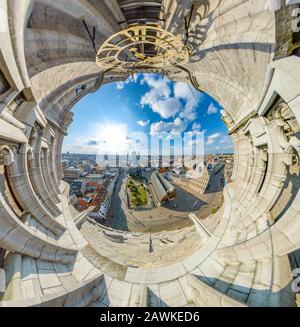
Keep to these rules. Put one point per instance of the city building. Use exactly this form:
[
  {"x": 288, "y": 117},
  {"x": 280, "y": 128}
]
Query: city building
[
  {"x": 78, "y": 187},
  {"x": 196, "y": 179},
  {"x": 72, "y": 173},
  {"x": 107, "y": 200},
  {"x": 83, "y": 204},
  {"x": 97, "y": 178},
  {"x": 162, "y": 191}
]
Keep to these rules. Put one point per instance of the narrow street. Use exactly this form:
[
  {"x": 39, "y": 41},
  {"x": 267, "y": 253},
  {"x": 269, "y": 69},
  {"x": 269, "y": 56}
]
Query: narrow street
[{"x": 170, "y": 216}]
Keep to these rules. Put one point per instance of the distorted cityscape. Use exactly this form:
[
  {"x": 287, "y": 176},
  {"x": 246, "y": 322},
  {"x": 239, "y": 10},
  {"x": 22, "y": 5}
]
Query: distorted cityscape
[{"x": 103, "y": 187}]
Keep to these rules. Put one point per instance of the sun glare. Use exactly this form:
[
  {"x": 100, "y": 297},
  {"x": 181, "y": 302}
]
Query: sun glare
[{"x": 113, "y": 138}]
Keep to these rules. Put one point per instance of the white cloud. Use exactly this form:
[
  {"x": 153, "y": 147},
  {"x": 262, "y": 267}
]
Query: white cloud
[
  {"x": 185, "y": 92},
  {"x": 226, "y": 139},
  {"x": 161, "y": 84},
  {"x": 219, "y": 143},
  {"x": 171, "y": 128},
  {"x": 131, "y": 79},
  {"x": 212, "y": 138},
  {"x": 165, "y": 107},
  {"x": 196, "y": 126},
  {"x": 212, "y": 110},
  {"x": 143, "y": 123},
  {"x": 120, "y": 85},
  {"x": 159, "y": 97},
  {"x": 182, "y": 90}
]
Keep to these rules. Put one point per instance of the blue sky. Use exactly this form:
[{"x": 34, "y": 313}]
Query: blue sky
[{"x": 145, "y": 104}]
